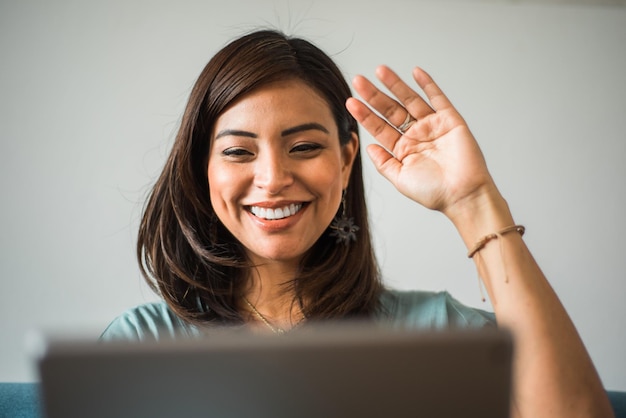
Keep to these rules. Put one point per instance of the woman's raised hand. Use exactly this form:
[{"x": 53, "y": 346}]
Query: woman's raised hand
[{"x": 435, "y": 160}]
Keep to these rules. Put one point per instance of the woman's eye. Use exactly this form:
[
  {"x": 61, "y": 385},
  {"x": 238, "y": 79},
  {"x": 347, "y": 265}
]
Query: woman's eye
[
  {"x": 236, "y": 152},
  {"x": 306, "y": 148}
]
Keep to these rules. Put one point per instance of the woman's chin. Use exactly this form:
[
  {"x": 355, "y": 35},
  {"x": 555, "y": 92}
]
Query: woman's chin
[{"x": 276, "y": 256}]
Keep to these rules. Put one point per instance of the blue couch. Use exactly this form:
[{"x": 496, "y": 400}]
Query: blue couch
[{"x": 21, "y": 400}]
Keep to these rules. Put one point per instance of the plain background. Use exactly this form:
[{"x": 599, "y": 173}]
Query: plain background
[{"x": 91, "y": 94}]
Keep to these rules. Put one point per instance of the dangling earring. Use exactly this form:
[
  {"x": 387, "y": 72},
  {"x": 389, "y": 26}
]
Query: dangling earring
[{"x": 343, "y": 227}]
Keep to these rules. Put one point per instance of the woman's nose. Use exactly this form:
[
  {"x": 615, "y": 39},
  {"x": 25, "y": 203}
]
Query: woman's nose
[{"x": 273, "y": 174}]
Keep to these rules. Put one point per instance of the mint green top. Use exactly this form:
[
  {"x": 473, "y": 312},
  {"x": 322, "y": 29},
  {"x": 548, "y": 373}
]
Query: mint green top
[{"x": 415, "y": 309}]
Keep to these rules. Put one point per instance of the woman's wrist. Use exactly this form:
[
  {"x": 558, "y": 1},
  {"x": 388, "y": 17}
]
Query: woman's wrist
[{"x": 481, "y": 214}]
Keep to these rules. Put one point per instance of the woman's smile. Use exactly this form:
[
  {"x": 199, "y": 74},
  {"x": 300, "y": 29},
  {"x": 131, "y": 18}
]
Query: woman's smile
[
  {"x": 276, "y": 219},
  {"x": 270, "y": 214}
]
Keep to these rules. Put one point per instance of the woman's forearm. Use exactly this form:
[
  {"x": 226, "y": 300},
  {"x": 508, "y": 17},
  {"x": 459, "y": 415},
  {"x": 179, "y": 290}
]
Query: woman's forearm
[{"x": 553, "y": 373}]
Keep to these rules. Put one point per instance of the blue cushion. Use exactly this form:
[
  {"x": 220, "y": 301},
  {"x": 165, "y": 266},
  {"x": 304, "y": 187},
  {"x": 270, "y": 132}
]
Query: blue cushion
[
  {"x": 19, "y": 400},
  {"x": 618, "y": 400}
]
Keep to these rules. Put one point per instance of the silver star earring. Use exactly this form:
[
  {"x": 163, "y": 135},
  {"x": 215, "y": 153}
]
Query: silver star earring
[{"x": 343, "y": 227}]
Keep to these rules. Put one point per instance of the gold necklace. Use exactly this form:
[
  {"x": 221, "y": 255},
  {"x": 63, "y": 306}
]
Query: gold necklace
[{"x": 275, "y": 330}]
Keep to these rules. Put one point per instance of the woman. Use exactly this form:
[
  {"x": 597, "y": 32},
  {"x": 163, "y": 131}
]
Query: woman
[{"x": 259, "y": 219}]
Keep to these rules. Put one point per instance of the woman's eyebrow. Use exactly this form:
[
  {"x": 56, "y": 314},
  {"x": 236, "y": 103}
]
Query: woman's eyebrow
[
  {"x": 286, "y": 132},
  {"x": 304, "y": 127},
  {"x": 235, "y": 132}
]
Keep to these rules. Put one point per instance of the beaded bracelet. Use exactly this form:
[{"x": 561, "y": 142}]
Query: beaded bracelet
[{"x": 480, "y": 244}]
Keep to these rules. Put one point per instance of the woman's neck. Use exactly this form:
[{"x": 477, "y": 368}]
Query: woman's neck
[{"x": 270, "y": 296}]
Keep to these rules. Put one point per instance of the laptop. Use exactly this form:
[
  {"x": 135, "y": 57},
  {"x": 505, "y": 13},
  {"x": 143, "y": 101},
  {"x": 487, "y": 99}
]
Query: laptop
[{"x": 352, "y": 370}]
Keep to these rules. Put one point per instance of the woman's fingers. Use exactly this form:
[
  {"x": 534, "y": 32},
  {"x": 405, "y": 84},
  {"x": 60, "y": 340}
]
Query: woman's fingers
[
  {"x": 384, "y": 162},
  {"x": 380, "y": 129},
  {"x": 390, "y": 109},
  {"x": 407, "y": 97},
  {"x": 408, "y": 102},
  {"x": 383, "y": 116},
  {"x": 391, "y": 115},
  {"x": 438, "y": 100}
]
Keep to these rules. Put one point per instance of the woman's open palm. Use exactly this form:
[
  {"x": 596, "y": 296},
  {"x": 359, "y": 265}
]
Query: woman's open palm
[{"x": 435, "y": 161}]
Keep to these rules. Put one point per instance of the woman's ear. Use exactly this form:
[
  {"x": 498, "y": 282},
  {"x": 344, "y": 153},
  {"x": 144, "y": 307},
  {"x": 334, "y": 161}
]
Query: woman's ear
[{"x": 348, "y": 154}]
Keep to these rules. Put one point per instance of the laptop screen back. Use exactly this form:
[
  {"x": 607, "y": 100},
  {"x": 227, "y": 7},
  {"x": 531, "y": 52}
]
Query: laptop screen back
[{"x": 347, "y": 371}]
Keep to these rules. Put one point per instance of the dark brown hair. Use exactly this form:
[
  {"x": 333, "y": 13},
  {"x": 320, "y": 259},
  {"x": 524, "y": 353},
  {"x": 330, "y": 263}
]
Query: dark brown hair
[{"x": 189, "y": 257}]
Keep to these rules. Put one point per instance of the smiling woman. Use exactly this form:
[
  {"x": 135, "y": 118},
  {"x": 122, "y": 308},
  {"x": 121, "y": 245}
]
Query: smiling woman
[
  {"x": 258, "y": 219},
  {"x": 265, "y": 152}
]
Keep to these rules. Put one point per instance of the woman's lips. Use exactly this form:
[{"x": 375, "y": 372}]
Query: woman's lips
[
  {"x": 275, "y": 213},
  {"x": 278, "y": 217}
]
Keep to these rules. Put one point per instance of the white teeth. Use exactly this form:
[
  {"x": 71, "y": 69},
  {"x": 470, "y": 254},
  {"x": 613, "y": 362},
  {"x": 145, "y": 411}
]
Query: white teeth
[{"x": 278, "y": 213}]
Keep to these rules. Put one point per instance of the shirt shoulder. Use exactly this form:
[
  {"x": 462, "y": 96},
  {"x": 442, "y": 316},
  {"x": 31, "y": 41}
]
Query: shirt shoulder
[
  {"x": 150, "y": 321},
  {"x": 434, "y": 310}
]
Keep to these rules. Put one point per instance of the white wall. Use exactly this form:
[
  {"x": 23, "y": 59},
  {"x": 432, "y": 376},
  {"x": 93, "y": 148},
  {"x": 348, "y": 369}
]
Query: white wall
[{"x": 91, "y": 94}]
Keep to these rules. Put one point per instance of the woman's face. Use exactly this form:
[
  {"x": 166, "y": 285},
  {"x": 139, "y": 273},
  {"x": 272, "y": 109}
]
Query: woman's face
[{"x": 276, "y": 170}]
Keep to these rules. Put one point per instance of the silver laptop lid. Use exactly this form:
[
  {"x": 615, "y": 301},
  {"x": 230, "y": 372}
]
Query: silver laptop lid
[{"x": 330, "y": 371}]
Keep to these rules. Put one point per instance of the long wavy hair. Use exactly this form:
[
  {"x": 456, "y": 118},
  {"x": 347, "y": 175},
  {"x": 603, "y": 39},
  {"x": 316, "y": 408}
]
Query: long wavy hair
[{"x": 186, "y": 254}]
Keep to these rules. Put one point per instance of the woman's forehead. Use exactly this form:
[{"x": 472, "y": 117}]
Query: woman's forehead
[{"x": 286, "y": 102}]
